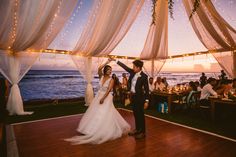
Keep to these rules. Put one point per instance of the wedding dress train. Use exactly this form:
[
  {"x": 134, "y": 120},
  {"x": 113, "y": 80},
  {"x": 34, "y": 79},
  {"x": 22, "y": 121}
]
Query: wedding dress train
[{"x": 101, "y": 122}]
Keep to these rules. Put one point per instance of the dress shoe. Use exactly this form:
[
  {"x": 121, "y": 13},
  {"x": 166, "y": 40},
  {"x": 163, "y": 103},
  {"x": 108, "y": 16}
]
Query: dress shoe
[
  {"x": 140, "y": 135},
  {"x": 133, "y": 133}
]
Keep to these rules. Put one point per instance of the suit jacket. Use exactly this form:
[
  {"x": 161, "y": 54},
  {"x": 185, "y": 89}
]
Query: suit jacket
[{"x": 141, "y": 86}]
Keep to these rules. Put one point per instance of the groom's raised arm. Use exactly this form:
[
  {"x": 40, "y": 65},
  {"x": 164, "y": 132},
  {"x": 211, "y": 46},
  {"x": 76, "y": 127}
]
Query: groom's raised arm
[{"x": 129, "y": 70}]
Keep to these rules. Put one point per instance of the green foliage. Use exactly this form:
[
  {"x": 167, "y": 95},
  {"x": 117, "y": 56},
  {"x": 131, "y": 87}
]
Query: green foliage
[{"x": 195, "y": 7}]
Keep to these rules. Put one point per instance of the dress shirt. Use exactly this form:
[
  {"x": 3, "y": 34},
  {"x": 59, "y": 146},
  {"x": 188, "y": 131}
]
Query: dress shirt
[
  {"x": 134, "y": 80},
  {"x": 207, "y": 91}
]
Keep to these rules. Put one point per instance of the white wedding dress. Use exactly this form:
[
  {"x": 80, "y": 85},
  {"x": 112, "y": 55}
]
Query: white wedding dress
[{"x": 101, "y": 122}]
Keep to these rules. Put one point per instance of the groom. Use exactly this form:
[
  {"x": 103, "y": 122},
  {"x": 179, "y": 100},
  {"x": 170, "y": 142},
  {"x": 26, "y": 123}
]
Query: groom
[{"x": 139, "y": 89}]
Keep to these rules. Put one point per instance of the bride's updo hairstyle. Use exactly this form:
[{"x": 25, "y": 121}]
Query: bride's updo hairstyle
[{"x": 105, "y": 69}]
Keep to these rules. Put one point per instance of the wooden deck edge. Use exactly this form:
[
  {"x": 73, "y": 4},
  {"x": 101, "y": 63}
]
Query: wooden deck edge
[
  {"x": 33, "y": 121},
  {"x": 12, "y": 149}
]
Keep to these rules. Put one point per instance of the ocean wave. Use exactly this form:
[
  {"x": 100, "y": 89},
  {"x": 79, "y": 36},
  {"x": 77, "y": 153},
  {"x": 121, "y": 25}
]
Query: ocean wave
[{"x": 52, "y": 76}]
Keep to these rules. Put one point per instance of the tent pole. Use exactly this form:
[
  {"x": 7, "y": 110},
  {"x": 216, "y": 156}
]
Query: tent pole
[{"x": 152, "y": 68}]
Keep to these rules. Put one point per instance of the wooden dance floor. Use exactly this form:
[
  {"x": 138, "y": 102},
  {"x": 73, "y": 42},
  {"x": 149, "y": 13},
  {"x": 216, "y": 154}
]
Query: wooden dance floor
[{"x": 45, "y": 139}]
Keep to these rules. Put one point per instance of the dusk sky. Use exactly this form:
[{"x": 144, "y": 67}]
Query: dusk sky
[{"x": 181, "y": 38}]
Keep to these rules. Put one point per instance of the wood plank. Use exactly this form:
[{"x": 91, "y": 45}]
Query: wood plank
[{"x": 45, "y": 138}]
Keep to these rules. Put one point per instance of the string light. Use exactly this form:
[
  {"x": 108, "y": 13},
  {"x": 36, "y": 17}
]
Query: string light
[
  {"x": 52, "y": 23},
  {"x": 68, "y": 24},
  {"x": 14, "y": 23}
]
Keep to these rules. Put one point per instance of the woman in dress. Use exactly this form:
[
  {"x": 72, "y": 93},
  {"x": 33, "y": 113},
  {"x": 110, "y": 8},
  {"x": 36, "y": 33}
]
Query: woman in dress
[{"x": 101, "y": 122}]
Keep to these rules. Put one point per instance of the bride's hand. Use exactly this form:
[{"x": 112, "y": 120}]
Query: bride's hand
[{"x": 101, "y": 101}]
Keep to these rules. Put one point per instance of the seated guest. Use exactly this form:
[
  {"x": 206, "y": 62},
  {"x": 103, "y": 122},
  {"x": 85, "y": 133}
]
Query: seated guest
[
  {"x": 223, "y": 75},
  {"x": 224, "y": 87},
  {"x": 151, "y": 84},
  {"x": 124, "y": 82},
  {"x": 116, "y": 87},
  {"x": 165, "y": 82},
  {"x": 159, "y": 85},
  {"x": 197, "y": 84},
  {"x": 151, "y": 89},
  {"x": 124, "y": 88},
  {"x": 190, "y": 99},
  {"x": 232, "y": 92},
  {"x": 207, "y": 91}
]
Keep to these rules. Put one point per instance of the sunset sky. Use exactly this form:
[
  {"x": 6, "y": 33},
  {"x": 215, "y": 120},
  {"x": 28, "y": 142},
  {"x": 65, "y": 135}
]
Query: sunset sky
[{"x": 181, "y": 38}]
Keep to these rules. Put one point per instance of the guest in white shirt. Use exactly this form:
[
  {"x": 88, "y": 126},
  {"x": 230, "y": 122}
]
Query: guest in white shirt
[
  {"x": 207, "y": 91},
  {"x": 159, "y": 85},
  {"x": 165, "y": 81},
  {"x": 151, "y": 84}
]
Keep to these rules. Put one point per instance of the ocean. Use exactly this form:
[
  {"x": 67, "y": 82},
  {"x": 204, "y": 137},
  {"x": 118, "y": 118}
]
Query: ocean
[{"x": 52, "y": 84}]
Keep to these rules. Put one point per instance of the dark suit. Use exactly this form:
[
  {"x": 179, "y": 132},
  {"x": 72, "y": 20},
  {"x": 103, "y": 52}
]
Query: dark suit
[{"x": 138, "y": 98}]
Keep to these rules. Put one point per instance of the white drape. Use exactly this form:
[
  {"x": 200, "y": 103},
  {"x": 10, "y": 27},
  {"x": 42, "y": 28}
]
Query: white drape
[
  {"x": 156, "y": 45},
  {"x": 14, "y": 67},
  {"x": 153, "y": 67},
  {"x": 27, "y": 24},
  {"x": 214, "y": 32},
  {"x": 227, "y": 61},
  {"x": 108, "y": 23},
  {"x": 31, "y": 23},
  {"x": 87, "y": 67}
]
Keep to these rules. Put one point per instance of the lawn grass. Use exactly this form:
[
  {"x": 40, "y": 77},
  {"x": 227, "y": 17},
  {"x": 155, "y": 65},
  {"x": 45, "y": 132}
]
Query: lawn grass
[{"x": 45, "y": 111}]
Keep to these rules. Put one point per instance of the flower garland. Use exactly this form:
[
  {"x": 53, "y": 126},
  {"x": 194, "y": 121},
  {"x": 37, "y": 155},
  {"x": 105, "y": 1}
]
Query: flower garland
[
  {"x": 170, "y": 6},
  {"x": 154, "y": 2},
  {"x": 195, "y": 6}
]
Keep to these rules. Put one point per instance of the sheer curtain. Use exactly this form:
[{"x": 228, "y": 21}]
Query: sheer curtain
[
  {"x": 108, "y": 23},
  {"x": 227, "y": 61},
  {"x": 153, "y": 67},
  {"x": 88, "y": 67},
  {"x": 214, "y": 32},
  {"x": 156, "y": 45},
  {"x": 25, "y": 26},
  {"x": 13, "y": 68},
  {"x": 31, "y": 24}
]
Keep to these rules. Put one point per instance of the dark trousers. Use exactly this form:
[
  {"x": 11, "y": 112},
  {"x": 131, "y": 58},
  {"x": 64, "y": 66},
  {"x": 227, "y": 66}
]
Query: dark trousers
[{"x": 138, "y": 110}]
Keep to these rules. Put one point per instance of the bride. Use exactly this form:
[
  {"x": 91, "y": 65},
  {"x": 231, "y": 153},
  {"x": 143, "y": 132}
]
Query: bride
[{"x": 101, "y": 122}]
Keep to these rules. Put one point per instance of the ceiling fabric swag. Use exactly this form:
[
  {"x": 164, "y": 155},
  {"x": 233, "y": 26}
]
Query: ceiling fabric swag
[
  {"x": 27, "y": 25},
  {"x": 108, "y": 23},
  {"x": 156, "y": 44},
  {"x": 214, "y": 33},
  {"x": 212, "y": 30},
  {"x": 30, "y": 24}
]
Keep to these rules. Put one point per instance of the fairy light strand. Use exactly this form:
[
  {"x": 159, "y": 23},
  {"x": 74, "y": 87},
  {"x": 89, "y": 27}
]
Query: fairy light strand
[
  {"x": 14, "y": 24},
  {"x": 69, "y": 24},
  {"x": 52, "y": 24}
]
